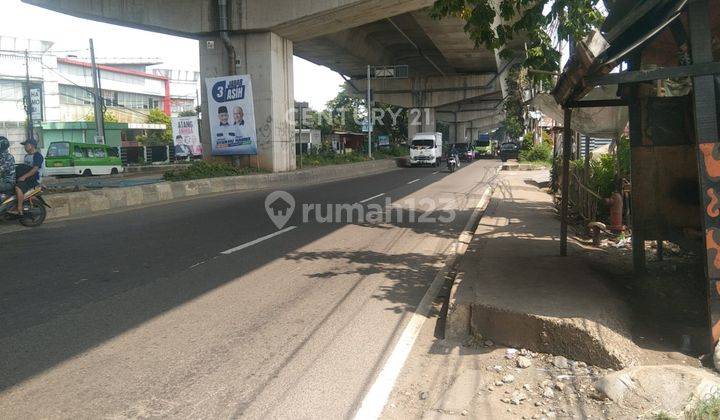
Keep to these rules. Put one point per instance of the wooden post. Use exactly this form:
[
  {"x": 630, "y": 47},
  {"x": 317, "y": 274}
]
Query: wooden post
[
  {"x": 587, "y": 159},
  {"x": 567, "y": 150},
  {"x": 635, "y": 119},
  {"x": 555, "y": 168},
  {"x": 708, "y": 152},
  {"x": 578, "y": 144}
]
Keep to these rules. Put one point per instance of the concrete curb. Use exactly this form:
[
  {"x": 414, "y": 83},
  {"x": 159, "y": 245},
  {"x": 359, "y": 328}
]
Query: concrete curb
[
  {"x": 86, "y": 203},
  {"x": 520, "y": 167},
  {"x": 458, "y": 316}
]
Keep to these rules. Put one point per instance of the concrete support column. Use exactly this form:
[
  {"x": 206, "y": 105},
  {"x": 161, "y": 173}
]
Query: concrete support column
[
  {"x": 462, "y": 133},
  {"x": 474, "y": 134},
  {"x": 268, "y": 59},
  {"x": 421, "y": 120}
]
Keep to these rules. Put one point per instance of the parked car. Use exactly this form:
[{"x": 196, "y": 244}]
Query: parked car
[{"x": 509, "y": 151}]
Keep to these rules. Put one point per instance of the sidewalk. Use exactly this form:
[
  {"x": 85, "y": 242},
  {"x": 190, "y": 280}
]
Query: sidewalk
[
  {"x": 528, "y": 334},
  {"x": 513, "y": 286}
]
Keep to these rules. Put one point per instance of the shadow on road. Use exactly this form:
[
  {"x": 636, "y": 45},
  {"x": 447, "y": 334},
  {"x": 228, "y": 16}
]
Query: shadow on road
[{"x": 71, "y": 286}]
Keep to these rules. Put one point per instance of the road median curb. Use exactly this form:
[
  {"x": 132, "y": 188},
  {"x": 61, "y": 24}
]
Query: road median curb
[{"x": 84, "y": 203}]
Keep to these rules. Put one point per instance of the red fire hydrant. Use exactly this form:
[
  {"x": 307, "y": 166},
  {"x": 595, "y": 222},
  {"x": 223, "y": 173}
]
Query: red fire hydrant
[{"x": 615, "y": 202}]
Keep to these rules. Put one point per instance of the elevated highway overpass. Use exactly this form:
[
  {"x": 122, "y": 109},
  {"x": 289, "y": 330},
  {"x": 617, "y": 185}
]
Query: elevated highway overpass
[{"x": 448, "y": 76}]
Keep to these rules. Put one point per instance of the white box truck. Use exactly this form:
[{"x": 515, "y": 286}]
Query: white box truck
[{"x": 426, "y": 149}]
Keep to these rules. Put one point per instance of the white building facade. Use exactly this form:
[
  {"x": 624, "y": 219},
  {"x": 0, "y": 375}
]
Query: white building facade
[{"x": 63, "y": 87}]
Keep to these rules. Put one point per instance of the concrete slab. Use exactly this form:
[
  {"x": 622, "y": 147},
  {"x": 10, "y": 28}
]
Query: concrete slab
[{"x": 513, "y": 287}]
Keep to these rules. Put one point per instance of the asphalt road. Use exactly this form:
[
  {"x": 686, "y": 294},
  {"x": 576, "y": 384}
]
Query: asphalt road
[{"x": 141, "y": 314}]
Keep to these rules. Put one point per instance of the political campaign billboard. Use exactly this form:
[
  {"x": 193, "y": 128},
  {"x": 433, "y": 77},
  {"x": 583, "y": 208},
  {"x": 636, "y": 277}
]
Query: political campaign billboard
[
  {"x": 186, "y": 136},
  {"x": 231, "y": 115}
]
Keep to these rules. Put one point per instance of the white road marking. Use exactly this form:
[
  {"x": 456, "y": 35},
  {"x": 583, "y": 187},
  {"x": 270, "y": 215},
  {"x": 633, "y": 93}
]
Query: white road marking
[
  {"x": 436, "y": 172},
  {"x": 413, "y": 181},
  {"x": 371, "y": 198},
  {"x": 374, "y": 402},
  {"x": 258, "y": 240}
]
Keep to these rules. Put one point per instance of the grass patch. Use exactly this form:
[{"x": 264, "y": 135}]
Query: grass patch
[
  {"x": 323, "y": 160},
  {"x": 332, "y": 158},
  {"x": 708, "y": 409},
  {"x": 208, "y": 169}
]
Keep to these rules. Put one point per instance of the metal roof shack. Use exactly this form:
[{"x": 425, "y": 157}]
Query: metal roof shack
[{"x": 668, "y": 54}]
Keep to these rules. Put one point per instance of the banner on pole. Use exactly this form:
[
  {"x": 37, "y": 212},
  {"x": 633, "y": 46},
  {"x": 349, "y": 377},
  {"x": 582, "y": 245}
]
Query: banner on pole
[
  {"x": 231, "y": 115},
  {"x": 186, "y": 136}
]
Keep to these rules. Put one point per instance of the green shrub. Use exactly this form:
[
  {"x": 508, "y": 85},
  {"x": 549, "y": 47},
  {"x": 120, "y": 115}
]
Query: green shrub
[
  {"x": 602, "y": 178},
  {"x": 208, "y": 169},
  {"x": 541, "y": 152},
  {"x": 392, "y": 151},
  {"x": 623, "y": 152},
  {"x": 528, "y": 141},
  {"x": 547, "y": 139},
  {"x": 332, "y": 159}
]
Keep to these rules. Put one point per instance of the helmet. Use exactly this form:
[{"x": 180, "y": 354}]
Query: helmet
[{"x": 4, "y": 144}]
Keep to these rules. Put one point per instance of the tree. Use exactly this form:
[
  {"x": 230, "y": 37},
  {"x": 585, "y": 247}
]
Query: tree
[
  {"x": 344, "y": 111},
  {"x": 542, "y": 24},
  {"x": 190, "y": 113},
  {"x": 107, "y": 117},
  {"x": 533, "y": 20},
  {"x": 159, "y": 137}
]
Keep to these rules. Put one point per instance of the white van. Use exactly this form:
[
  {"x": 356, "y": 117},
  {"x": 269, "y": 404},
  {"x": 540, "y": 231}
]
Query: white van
[{"x": 426, "y": 149}]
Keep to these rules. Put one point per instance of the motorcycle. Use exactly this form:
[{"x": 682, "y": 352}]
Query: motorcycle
[
  {"x": 34, "y": 208},
  {"x": 452, "y": 163}
]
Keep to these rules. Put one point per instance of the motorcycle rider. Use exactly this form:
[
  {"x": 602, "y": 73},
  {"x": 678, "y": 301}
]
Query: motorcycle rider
[
  {"x": 453, "y": 152},
  {"x": 30, "y": 175},
  {"x": 7, "y": 169}
]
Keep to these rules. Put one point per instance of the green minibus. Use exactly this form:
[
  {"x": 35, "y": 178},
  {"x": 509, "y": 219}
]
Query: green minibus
[{"x": 67, "y": 158}]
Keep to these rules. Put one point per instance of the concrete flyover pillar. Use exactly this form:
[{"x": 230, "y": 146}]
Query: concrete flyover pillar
[
  {"x": 474, "y": 134},
  {"x": 268, "y": 59},
  {"x": 462, "y": 133},
  {"x": 420, "y": 120}
]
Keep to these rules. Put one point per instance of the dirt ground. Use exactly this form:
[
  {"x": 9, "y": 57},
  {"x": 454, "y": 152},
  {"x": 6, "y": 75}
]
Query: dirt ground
[{"x": 479, "y": 379}]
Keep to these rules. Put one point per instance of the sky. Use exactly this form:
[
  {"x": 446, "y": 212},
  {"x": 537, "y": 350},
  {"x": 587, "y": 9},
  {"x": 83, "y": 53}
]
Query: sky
[{"x": 314, "y": 84}]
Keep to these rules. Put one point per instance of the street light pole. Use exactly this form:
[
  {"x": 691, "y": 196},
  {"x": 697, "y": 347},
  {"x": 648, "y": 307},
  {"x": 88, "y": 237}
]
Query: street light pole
[{"x": 370, "y": 116}]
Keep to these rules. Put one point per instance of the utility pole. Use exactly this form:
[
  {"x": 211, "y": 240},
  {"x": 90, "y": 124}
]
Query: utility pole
[
  {"x": 28, "y": 101},
  {"x": 98, "y": 99},
  {"x": 370, "y": 116}
]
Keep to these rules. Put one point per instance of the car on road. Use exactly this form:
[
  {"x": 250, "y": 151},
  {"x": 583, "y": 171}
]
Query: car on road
[{"x": 509, "y": 151}]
